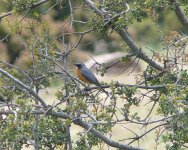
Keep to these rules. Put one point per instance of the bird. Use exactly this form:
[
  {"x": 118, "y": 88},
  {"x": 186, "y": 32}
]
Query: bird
[{"x": 85, "y": 75}]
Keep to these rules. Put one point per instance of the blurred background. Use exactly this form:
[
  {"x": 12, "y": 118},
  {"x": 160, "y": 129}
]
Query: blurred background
[{"x": 148, "y": 32}]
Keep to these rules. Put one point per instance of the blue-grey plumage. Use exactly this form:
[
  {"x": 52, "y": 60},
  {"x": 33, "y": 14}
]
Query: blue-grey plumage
[
  {"x": 85, "y": 75},
  {"x": 89, "y": 75}
]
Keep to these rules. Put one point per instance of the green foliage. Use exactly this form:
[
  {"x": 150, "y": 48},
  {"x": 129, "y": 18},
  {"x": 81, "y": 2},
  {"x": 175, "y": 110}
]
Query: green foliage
[
  {"x": 17, "y": 131},
  {"x": 45, "y": 53},
  {"x": 128, "y": 94},
  {"x": 82, "y": 144},
  {"x": 52, "y": 132},
  {"x": 173, "y": 102},
  {"x": 101, "y": 69},
  {"x": 99, "y": 26},
  {"x": 23, "y": 5}
]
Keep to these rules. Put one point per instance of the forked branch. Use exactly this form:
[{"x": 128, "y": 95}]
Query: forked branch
[{"x": 126, "y": 37}]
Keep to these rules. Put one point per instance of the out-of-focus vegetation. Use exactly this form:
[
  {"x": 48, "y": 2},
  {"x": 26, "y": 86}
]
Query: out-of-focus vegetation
[
  {"x": 143, "y": 23},
  {"x": 40, "y": 41}
]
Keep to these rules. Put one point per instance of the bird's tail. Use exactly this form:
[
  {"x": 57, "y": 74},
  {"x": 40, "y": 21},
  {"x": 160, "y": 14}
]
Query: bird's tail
[{"x": 103, "y": 89}]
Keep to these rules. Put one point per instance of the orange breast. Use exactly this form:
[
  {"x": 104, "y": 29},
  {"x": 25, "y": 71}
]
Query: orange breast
[{"x": 81, "y": 77}]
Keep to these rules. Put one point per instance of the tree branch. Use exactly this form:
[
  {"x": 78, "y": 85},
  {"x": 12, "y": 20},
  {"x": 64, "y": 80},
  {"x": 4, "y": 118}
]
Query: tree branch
[
  {"x": 102, "y": 137},
  {"x": 139, "y": 137},
  {"x": 117, "y": 61},
  {"x": 5, "y": 14},
  {"x": 82, "y": 124},
  {"x": 93, "y": 7},
  {"x": 181, "y": 15},
  {"x": 39, "y": 3},
  {"x": 27, "y": 88},
  {"x": 125, "y": 36},
  {"x": 153, "y": 87},
  {"x": 33, "y": 6}
]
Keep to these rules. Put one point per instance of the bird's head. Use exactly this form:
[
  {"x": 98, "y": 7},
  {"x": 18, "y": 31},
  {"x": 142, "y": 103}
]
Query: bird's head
[{"x": 79, "y": 65}]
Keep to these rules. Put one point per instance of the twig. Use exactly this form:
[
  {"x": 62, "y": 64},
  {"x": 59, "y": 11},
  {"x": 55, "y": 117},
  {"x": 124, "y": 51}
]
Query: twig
[
  {"x": 24, "y": 86},
  {"x": 5, "y": 14},
  {"x": 50, "y": 8},
  {"x": 126, "y": 37},
  {"x": 138, "y": 137},
  {"x": 17, "y": 68},
  {"x": 71, "y": 12},
  {"x": 117, "y": 61},
  {"x": 68, "y": 135},
  {"x": 33, "y": 6}
]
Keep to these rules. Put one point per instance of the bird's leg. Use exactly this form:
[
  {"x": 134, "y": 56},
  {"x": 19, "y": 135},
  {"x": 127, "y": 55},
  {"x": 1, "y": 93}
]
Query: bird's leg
[{"x": 86, "y": 88}]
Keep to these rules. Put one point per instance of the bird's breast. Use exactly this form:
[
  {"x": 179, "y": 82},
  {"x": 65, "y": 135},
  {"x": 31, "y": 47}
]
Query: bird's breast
[{"x": 81, "y": 77}]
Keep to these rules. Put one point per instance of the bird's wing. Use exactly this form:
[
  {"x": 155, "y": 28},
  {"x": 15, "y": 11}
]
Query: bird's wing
[{"x": 90, "y": 76}]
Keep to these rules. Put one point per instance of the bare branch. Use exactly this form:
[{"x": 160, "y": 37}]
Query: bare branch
[
  {"x": 39, "y": 3},
  {"x": 17, "y": 68},
  {"x": 5, "y": 14},
  {"x": 93, "y": 7},
  {"x": 68, "y": 135},
  {"x": 124, "y": 57},
  {"x": 27, "y": 88},
  {"x": 130, "y": 64},
  {"x": 138, "y": 137},
  {"x": 71, "y": 12},
  {"x": 181, "y": 14},
  {"x": 125, "y": 36},
  {"x": 155, "y": 87},
  {"x": 102, "y": 137}
]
